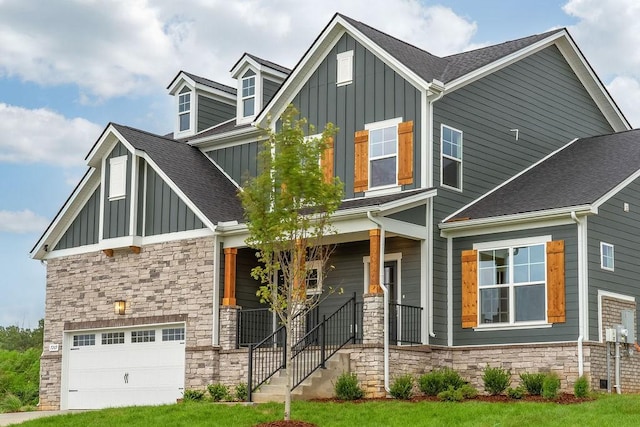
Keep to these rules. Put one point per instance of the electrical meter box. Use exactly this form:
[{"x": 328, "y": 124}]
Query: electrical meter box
[
  {"x": 610, "y": 335},
  {"x": 629, "y": 323}
]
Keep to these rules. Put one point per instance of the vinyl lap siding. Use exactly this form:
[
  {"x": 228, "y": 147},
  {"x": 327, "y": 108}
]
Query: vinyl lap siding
[
  {"x": 614, "y": 226},
  {"x": 212, "y": 112},
  {"x": 117, "y": 212},
  {"x": 238, "y": 161},
  {"x": 377, "y": 93},
  {"x": 84, "y": 229}
]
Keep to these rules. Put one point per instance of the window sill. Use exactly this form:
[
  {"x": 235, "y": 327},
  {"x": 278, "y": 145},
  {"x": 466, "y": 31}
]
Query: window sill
[
  {"x": 510, "y": 327},
  {"x": 448, "y": 187},
  {"x": 344, "y": 83},
  {"x": 114, "y": 198},
  {"x": 379, "y": 191}
]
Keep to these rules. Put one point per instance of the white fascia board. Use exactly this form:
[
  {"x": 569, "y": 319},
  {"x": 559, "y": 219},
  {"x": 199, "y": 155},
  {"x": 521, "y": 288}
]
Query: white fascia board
[
  {"x": 616, "y": 189},
  {"x": 178, "y": 81},
  {"x": 109, "y": 138},
  {"x": 179, "y": 192},
  {"x": 405, "y": 229},
  {"x": 227, "y": 139},
  {"x": 316, "y": 54},
  {"x": 246, "y": 60},
  {"x": 407, "y": 202},
  {"x": 473, "y": 202},
  {"x": 213, "y": 162},
  {"x": 67, "y": 214},
  {"x": 507, "y": 223}
]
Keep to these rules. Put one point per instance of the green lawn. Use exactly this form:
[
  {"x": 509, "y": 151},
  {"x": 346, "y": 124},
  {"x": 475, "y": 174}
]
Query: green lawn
[{"x": 605, "y": 411}]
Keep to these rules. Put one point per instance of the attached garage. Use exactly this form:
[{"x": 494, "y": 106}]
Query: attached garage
[{"x": 124, "y": 367}]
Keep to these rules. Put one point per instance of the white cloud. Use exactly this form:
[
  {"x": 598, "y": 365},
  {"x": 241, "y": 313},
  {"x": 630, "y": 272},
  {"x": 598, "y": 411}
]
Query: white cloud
[
  {"x": 626, "y": 91},
  {"x": 43, "y": 136},
  {"x": 131, "y": 47},
  {"x": 23, "y": 221}
]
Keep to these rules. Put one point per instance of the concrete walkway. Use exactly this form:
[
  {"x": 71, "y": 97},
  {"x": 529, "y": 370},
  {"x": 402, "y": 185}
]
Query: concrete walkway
[{"x": 19, "y": 417}]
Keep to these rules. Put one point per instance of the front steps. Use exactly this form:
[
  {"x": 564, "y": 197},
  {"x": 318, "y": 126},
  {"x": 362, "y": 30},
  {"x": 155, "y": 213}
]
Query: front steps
[{"x": 317, "y": 386}]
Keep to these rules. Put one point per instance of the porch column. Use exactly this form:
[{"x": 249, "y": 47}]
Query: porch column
[
  {"x": 228, "y": 327},
  {"x": 374, "y": 262},
  {"x": 229, "y": 298},
  {"x": 373, "y": 319}
]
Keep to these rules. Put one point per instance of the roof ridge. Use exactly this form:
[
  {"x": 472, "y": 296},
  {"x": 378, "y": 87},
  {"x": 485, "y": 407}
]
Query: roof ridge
[
  {"x": 144, "y": 132},
  {"x": 266, "y": 61}
]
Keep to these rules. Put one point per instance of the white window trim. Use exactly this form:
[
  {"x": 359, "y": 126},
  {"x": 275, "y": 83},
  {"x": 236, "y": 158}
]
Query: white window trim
[
  {"x": 257, "y": 96},
  {"x": 344, "y": 68},
  {"x": 504, "y": 244},
  {"x": 613, "y": 256},
  {"x": 442, "y": 156},
  {"x": 317, "y": 266},
  {"x": 252, "y": 96},
  {"x": 117, "y": 192},
  {"x": 389, "y": 188},
  {"x": 192, "y": 112}
]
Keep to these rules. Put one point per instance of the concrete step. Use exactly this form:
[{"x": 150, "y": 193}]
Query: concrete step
[{"x": 318, "y": 385}]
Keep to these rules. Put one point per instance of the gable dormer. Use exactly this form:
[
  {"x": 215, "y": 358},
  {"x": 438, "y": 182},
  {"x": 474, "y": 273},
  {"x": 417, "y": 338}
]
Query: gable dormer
[
  {"x": 200, "y": 103},
  {"x": 258, "y": 80}
]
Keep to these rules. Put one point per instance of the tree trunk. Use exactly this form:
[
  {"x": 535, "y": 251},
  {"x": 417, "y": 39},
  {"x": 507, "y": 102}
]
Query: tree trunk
[{"x": 288, "y": 372}]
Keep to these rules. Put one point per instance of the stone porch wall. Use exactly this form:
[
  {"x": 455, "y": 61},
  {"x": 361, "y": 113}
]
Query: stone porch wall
[{"x": 164, "y": 280}]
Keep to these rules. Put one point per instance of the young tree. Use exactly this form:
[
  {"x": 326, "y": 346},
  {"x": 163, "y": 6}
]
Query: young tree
[{"x": 288, "y": 208}]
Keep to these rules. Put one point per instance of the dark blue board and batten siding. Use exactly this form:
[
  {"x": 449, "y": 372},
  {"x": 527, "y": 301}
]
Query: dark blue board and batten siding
[
  {"x": 85, "y": 228},
  {"x": 212, "y": 112},
  {"x": 619, "y": 228},
  {"x": 539, "y": 95},
  {"x": 117, "y": 212},
  {"x": 238, "y": 161},
  {"x": 165, "y": 212},
  {"x": 376, "y": 93},
  {"x": 567, "y": 331}
]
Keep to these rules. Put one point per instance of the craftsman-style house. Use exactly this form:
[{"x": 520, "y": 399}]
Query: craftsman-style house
[{"x": 491, "y": 215}]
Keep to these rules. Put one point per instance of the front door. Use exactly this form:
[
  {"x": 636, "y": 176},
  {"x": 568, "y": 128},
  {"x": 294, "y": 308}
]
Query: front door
[{"x": 391, "y": 282}]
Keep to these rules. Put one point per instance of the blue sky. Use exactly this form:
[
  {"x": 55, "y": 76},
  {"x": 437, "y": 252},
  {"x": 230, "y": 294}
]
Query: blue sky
[{"x": 69, "y": 67}]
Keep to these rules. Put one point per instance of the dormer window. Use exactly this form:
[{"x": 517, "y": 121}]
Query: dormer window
[
  {"x": 249, "y": 94},
  {"x": 184, "y": 110}
]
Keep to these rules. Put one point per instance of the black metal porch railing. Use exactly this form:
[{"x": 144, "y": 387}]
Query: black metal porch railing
[
  {"x": 253, "y": 326},
  {"x": 323, "y": 341},
  {"x": 405, "y": 324},
  {"x": 266, "y": 358}
]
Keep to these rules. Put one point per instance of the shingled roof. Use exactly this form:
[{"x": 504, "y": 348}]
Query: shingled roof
[
  {"x": 448, "y": 68},
  {"x": 579, "y": 174},
  {"x": 206, "y": 82},
  {"x": 194, "y": 174}
]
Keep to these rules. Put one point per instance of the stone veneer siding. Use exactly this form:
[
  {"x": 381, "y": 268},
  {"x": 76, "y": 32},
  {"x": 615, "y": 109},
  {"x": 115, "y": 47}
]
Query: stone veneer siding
[{"x": 163, "y": 281}]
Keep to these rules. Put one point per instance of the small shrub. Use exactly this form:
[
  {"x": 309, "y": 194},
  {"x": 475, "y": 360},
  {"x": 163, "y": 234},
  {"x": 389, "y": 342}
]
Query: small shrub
[
  {"x": 516, "y": 393},
  {"x": 241, "y": 392},
  {"x": 439, "y": 380},
  {"x": 496, "y": 380},
  {"x": 532, "y": 383},
  {"x": 10, "y": 403},
  {"x": 468, "y": 391},
  {"x": 581, "y": 387},
  {"x": 402, "y": 387},
  {"x": 218, "y": 392},
  {"x": 191, "y": 395},
  {"x": 451, "y": 394},
  {"x": 347, "y": 387},
  {"x": 550, "y": 386}
]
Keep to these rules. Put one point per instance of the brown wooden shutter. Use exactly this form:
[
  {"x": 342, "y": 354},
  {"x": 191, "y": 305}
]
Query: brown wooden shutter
[
  {"x": 555, "y": 282},
  {"x": 405, "y": 153},
  {"x": 326, "y": 161},
  {"x": 361, "y": 171},
  {"x": 469, "y": 289}
]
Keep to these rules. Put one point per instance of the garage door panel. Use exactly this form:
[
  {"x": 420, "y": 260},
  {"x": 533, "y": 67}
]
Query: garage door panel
[{"x": 107, "y": 375}]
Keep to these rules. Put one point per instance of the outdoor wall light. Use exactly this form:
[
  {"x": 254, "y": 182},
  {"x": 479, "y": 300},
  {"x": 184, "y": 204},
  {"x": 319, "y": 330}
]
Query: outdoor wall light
[{"x": 119, "y": 306}]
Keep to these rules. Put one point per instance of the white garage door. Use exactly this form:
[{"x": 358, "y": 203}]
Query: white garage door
[{"x": 142, "y": 366}]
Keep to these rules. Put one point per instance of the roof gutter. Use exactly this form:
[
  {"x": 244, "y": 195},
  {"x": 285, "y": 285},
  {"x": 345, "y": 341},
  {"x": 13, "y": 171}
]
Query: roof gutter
[{"x": 582, "y": 287}]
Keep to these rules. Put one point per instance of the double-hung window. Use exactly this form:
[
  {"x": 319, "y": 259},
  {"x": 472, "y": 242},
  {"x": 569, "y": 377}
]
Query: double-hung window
[
  {"x": 383, "y": 153},
  {"x": 512, "y": 284},
  {"x": 606, "y": 256},
  {"x": 248, "y": 96},
  {"x": 314, "y": 277},
  {"x": 451, "y": 161},
  {"x": 184, "y": 111}
]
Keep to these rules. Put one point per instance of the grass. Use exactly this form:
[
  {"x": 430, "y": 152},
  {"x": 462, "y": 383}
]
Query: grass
[{"x": 604, "y": 411}]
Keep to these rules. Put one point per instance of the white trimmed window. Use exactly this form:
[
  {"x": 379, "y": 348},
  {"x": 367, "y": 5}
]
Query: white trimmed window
[
  {"x": 249, "y": 96},
  {"x": 173, "y": 334},
  {"x": 84, "y": 340},
  {"x": 112, "y": 338},
  {"x": 451, "y": 157},
  {"x": 117, "y": 177},
  {"x": 345, "y": 68},
  {"x": 606, "y": 256},
  {"x": 512, "y": 283},
  {"x": 383, "y": 153},
  {"x": 184, "y": 111}
]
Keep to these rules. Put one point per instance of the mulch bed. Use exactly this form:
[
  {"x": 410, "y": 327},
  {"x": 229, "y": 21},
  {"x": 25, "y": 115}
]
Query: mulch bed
[{"x": 563, "y": 399}]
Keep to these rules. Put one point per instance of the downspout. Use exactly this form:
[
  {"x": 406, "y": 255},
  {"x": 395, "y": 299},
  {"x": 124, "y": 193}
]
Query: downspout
[
  {"x": 581, "y": 254},
  {"x": 385, "y": 292},
  {"x": 215, "y": 333},
  {"x": 436, "y": 87}
]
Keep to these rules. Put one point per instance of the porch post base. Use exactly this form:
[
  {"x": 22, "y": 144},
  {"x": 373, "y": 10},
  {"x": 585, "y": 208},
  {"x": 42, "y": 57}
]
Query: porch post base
[
  {"x": 373, "y": 319},
  {"x": 228, "y": 326}
]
